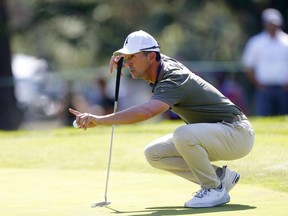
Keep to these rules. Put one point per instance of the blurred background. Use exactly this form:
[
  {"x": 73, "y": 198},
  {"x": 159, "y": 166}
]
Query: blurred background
[{"x": 54, "y": 54}]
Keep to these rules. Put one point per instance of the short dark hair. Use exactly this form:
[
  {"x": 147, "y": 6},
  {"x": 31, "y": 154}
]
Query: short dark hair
[{"x": 158, "y": 55}]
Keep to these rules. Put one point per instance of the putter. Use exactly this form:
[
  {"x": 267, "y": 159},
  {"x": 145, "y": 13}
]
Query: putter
[{"x": 106, "y": 202}]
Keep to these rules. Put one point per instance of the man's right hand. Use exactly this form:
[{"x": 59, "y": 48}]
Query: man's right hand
[{"x": 114, "y": 61}]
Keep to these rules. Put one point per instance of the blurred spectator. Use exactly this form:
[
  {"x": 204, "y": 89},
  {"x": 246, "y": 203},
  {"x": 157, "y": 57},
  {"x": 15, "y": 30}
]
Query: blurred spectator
[
  {"x": 94, "y": 98},
  {"x": 265, "y": 59},
  {"x": 105, "y": 101},
  {"x": 234, "y": 91},
  {"x": 29, "y": 73},
  {"x": 41, "y": 94}
]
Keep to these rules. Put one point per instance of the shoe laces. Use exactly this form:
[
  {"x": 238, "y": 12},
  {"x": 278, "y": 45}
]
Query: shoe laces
[{"x": 202, "y": 192}]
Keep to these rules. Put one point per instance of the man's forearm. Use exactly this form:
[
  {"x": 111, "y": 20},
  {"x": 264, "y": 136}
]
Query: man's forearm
[{"x": 128, "y": 116}]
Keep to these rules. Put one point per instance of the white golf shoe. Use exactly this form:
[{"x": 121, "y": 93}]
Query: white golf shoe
[
  {"x": 229, "y": 178},
  {"x": 205, "y": 198}
]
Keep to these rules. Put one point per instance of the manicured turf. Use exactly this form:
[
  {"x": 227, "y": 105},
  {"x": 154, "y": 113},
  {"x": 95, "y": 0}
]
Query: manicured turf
[{"x": 62, "y": 171}]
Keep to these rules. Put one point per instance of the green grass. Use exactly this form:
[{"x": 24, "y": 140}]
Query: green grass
[{"x": 61, "y": 171}]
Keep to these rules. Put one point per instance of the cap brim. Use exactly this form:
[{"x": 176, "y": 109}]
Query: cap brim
[
  {"x": 125, "y": 51},
  {"x": 274, "y": 22},
  {"x": 130, "y": 52}
]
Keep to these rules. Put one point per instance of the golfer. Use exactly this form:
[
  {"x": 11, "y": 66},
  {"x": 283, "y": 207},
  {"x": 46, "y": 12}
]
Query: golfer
[{"x": 215, "y": 129}]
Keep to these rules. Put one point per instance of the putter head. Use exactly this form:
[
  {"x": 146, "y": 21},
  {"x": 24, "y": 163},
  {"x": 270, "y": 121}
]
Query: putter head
[{"x": 100, "y": 204}]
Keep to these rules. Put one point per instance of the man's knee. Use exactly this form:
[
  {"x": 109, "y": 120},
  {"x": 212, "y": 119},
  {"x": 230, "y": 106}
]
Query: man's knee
[
  {"x": 150, "y": 155},
  {"x": 148, "y": 152},
  {"x": 184, "y": 137}
]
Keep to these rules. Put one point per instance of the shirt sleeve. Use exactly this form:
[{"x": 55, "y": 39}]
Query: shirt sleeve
[{"x": 169, "y": 93}]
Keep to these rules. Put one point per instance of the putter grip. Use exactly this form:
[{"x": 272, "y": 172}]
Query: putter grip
[{"x": 119, "y": 68}]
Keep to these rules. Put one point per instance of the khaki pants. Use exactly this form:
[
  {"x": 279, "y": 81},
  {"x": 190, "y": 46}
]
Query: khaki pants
[{"x": 188, "y": 152}]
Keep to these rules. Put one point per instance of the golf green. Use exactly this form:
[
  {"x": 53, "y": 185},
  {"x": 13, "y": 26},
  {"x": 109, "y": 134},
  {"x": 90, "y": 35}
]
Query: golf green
[{"x": 49, "y": 192}]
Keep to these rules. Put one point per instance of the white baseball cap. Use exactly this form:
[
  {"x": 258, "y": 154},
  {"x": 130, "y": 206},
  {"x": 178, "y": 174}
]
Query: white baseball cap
[
  {"x": 138, "y": 41},
  {"x": 273, "y": 16}
]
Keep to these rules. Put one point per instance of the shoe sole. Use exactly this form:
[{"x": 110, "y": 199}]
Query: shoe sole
[{"x": 225, "y": 199}]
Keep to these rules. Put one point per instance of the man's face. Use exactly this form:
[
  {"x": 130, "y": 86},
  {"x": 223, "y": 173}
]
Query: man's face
[
  {"x": 138, "y": 64},
  {"x": 271, "y": 28}
]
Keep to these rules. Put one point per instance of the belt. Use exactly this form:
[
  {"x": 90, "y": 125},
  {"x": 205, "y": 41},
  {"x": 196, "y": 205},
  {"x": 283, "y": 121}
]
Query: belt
[{"x": 240, "y": 117}]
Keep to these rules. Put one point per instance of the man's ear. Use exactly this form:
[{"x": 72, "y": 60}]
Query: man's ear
[{"x": 152, "y": 56}]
